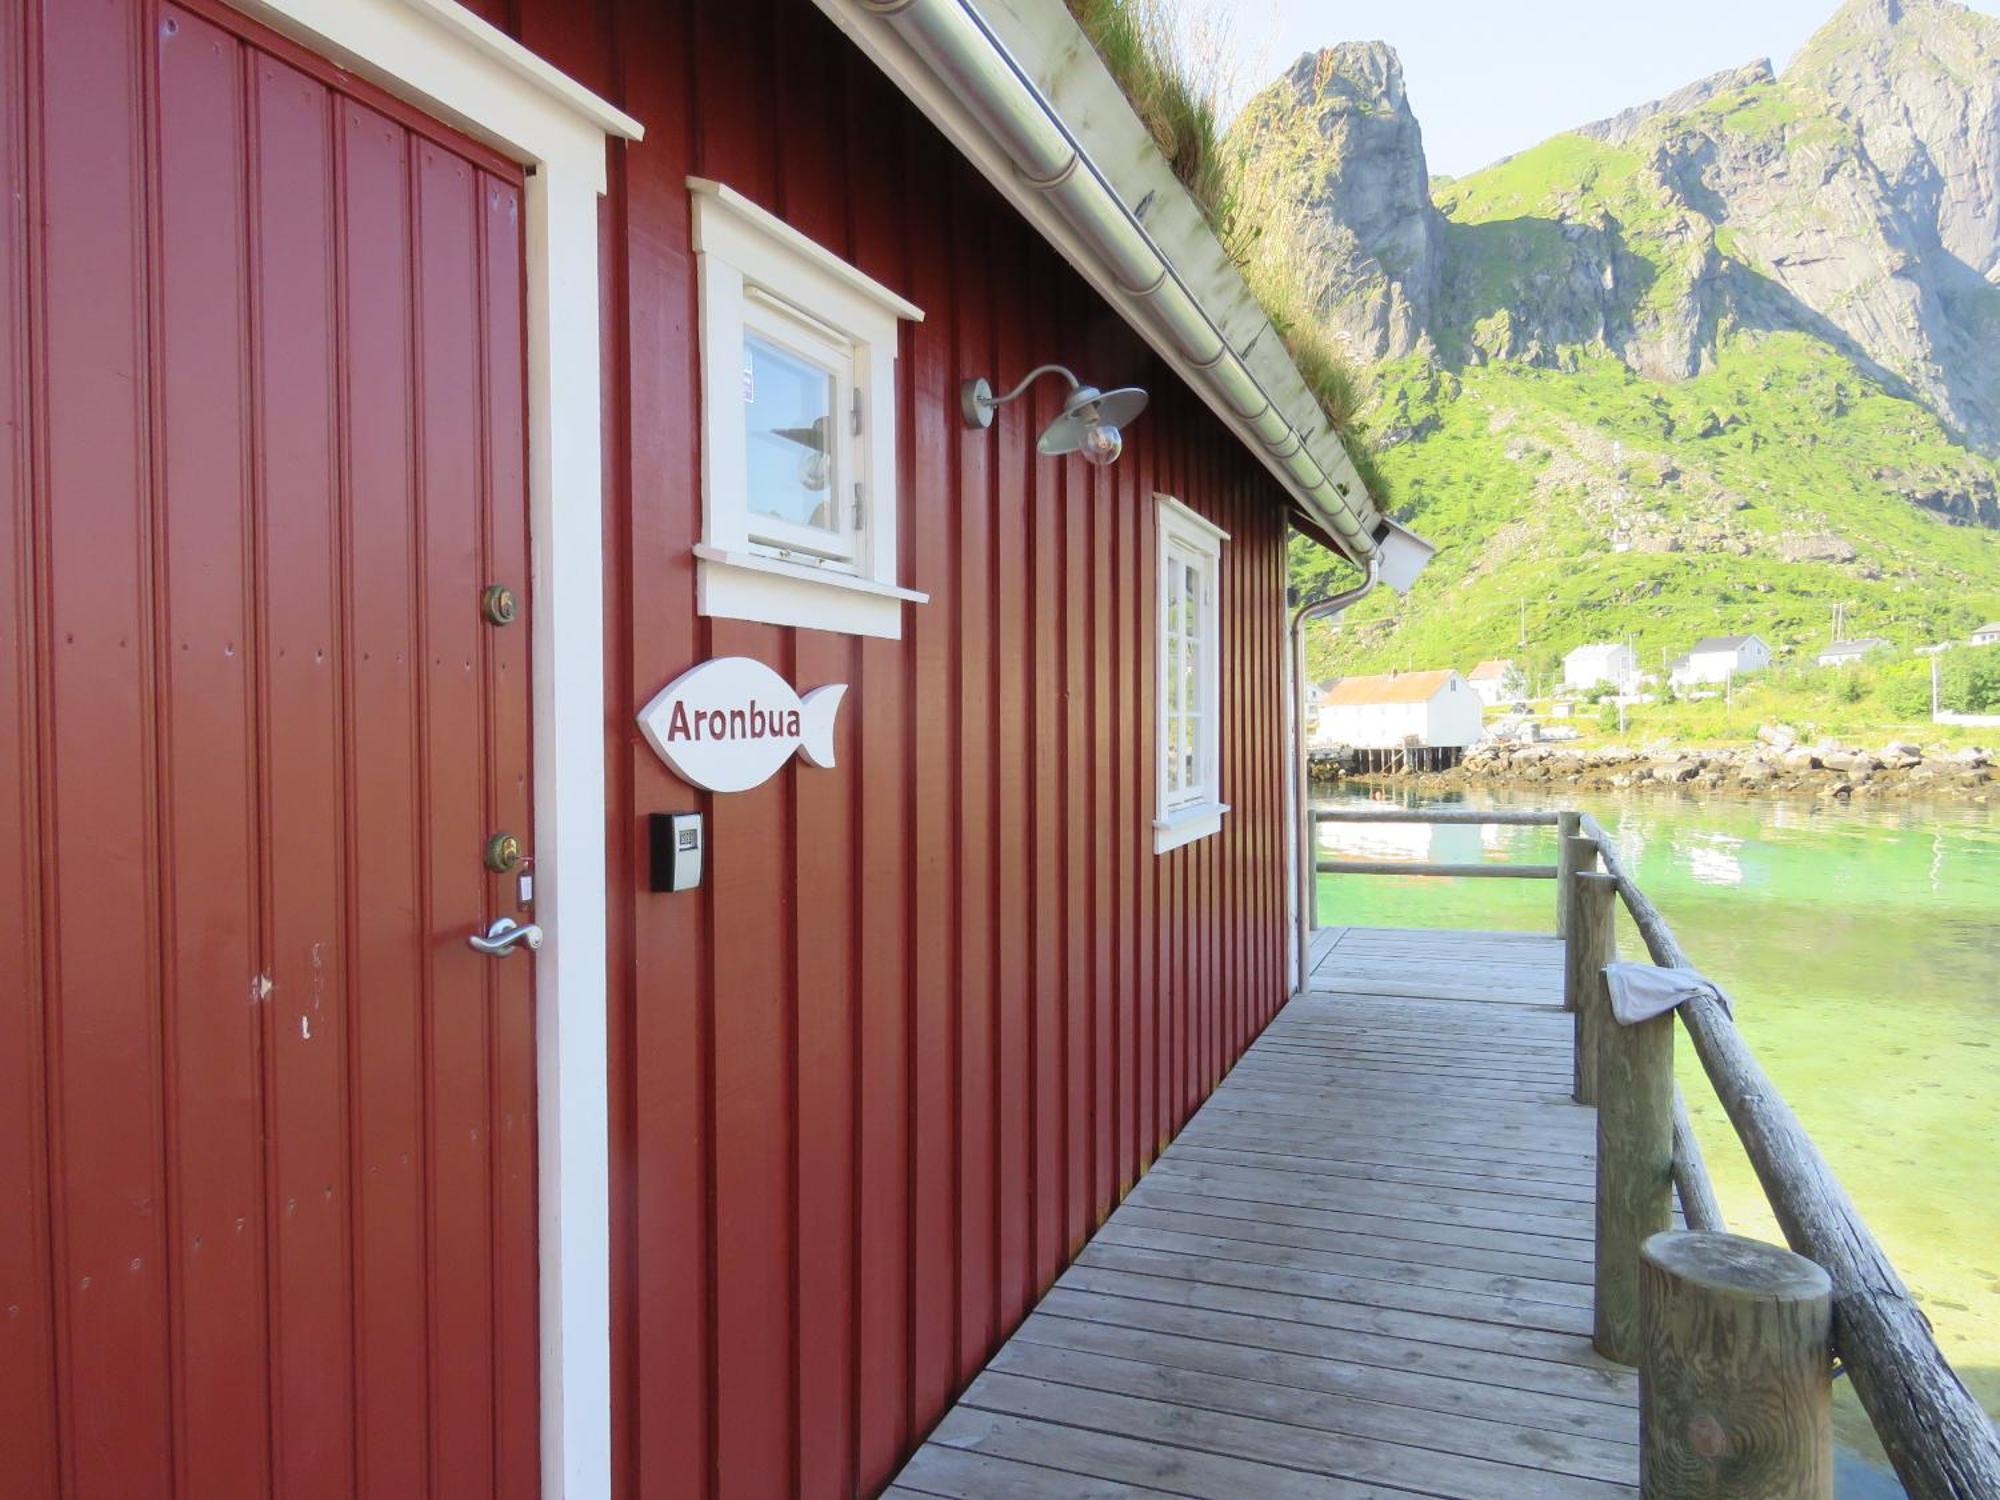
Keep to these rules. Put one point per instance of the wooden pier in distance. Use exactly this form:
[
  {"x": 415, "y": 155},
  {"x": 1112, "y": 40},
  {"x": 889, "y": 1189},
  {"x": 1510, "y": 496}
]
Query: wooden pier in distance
[{"x": 1363, "y": 1268}]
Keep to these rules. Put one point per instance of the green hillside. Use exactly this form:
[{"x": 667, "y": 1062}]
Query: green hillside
[
  {"x": 1749, "y": 498},
  {"x": 1702, "y": 369}
]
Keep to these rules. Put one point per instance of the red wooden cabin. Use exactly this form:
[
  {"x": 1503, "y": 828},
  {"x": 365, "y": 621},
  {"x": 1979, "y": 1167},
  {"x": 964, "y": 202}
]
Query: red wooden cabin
[{"x": 396, "y": 399}]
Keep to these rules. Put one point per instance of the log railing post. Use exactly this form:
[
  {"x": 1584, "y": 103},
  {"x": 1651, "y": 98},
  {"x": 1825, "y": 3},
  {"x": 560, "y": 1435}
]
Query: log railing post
[
  {"x": 1567, "y": 825},
  {"x": 1735, "y": 1371},
  {"x": 1937, "y": 1437},
  {"x": 1635, "y": 1162},
  {"x": 1593, "y": 943}
]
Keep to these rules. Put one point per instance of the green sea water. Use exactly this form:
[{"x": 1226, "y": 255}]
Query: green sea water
[{"x": 1861, "y": 946}]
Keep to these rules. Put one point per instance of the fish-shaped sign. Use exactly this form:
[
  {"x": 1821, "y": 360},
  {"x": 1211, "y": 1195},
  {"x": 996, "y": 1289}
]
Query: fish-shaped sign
[{"x": 728, "y": 724}]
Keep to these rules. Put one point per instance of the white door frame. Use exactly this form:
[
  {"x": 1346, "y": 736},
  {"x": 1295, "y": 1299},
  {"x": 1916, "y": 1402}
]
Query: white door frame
[{"x": 441, "y": 58}]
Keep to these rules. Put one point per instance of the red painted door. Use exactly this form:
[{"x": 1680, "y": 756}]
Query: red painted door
[{"x": 267, "y": 1176}]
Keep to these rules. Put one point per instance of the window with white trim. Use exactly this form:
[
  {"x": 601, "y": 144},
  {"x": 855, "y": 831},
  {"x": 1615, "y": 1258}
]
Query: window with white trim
[
  {"x": 1188, "y": 673},
  {"x": 798, "y": 357}
]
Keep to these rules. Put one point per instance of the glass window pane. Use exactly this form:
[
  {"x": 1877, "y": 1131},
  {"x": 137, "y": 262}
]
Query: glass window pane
[
  {"x": 1187, "y": 666},
  {"x": 788, "y": 404}
]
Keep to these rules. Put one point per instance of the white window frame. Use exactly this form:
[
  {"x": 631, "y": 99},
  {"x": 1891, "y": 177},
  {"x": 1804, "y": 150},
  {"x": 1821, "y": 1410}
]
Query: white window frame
[
  {"x": 1190, "y": 813},
  {"x": 759, "y": 275},
  {"x": 444, "y": 60}
]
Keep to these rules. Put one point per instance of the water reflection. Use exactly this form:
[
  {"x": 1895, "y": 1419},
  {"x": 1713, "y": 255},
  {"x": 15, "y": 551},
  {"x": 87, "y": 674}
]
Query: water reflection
[{"x": 1714, "y": 860}]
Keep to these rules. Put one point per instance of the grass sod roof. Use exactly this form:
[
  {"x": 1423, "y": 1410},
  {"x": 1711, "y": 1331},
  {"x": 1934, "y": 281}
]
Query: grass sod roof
[{"x": 1135, "y": 41}]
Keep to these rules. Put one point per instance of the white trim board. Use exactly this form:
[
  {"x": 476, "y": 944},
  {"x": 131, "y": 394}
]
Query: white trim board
[
  {"x": 446, "y": 61},
  {"x": 749, "y": 567}
]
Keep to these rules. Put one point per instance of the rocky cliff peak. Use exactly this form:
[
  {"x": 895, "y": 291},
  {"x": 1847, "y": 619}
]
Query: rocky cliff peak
[
  {"x": 1622, "y": 126},
  {"x": 1855, "y": 198},
  {"x": 1336, "y": 131},
  {"x": 1364, "y": 75},
  {"x": 1920, "y": 79},
  {"x": 1696, "y": 369}
]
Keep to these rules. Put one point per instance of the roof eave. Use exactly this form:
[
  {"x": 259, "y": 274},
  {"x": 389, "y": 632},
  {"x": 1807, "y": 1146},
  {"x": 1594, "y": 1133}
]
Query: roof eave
[{"x": 1006, "y": 79}]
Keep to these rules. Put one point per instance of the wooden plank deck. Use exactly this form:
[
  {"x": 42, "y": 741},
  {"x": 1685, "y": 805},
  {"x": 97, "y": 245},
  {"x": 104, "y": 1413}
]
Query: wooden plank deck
[{"x": 1362, "y": 1269}]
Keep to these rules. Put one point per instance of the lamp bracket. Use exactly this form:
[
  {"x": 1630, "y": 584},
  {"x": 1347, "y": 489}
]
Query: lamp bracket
[{"x": 978, "y": 403}]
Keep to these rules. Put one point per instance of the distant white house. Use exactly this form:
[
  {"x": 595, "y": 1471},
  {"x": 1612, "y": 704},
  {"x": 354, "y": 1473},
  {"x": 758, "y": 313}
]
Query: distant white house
[
  {"x": 1847, "y": 653},
  {"x": 1401, "y": 709},
  {"x": 1987, "y": 635},
  {"x": 1601, "y": 664},
  {"x": 1719, "y": 658},
  {"x": 1497, "y": 681}
]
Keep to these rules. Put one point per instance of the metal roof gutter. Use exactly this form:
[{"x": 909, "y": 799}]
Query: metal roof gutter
[
  {"x": 977, "y": 71},
  {"x": 1331, "y": 608}
]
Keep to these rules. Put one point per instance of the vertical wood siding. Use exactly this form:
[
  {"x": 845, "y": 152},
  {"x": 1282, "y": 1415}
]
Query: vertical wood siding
[
  {"x": 872, "y": 1085},
  {"x": 267, "y": 1166},
  {"x": 936, "y": 1009}
]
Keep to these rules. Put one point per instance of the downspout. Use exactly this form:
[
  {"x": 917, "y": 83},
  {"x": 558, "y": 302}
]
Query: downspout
[
  {"x": 961, "y": 49},
  {"x": 1329, "y": 608}
]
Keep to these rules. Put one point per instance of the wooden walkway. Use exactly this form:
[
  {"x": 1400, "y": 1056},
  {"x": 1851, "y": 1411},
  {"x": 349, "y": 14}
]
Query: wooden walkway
[{"x": 1363, "y": 1268}]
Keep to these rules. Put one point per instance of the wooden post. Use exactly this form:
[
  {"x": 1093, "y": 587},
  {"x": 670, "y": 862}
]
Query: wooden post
[
  {"x": 1593, "y": 943},
  {"x": 1573, "y": 854},
  {"x": 1566, "y": 831},
  {"x": 1635, "y": 1163},
  {"x": 1735, "y": 1371}
]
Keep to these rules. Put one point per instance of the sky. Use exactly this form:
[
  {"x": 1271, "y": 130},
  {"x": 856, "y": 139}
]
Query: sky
[{"x": 1491, "y": 77}]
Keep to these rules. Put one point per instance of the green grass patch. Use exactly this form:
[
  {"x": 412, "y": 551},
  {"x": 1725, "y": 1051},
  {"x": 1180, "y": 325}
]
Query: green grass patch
[{"x": 1532, "y": 479}]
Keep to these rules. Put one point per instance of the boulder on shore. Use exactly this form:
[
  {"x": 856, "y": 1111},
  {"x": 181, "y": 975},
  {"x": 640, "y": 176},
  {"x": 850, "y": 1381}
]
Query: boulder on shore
[{"x": 1776, "y": 765}]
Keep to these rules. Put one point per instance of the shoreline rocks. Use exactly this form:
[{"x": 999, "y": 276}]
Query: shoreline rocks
[{"x": 1778, "y": 764}]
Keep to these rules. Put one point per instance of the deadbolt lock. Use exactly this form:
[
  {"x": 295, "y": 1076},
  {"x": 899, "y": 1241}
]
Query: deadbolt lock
[
  {"x": 503, "y": 852},
  {"x": 499, "y": 605}
]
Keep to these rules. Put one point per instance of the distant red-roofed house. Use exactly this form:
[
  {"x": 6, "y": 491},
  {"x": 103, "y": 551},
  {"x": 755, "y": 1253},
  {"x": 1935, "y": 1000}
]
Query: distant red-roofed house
[{"x": 1399, "y": 709}]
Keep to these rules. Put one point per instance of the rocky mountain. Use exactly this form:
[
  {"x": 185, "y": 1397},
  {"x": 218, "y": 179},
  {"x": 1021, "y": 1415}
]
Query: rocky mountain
[{"x": 1749, "y": 331}]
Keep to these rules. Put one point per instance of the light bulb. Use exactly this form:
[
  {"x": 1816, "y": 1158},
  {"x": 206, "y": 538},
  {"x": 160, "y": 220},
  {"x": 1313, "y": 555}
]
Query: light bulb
[{"x": 1101, "y": 445}]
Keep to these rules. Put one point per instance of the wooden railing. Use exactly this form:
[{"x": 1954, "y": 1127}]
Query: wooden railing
[
  {"x": 1938, "y": 1439},
  {"x": 1383, "y": 813}
]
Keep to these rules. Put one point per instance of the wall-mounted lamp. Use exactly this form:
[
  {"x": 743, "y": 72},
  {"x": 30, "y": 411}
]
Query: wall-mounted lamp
[{"x": 1090, "y": 419}]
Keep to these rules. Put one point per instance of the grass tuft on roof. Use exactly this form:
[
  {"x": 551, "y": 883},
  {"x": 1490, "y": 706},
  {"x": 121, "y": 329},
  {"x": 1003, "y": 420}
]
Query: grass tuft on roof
[{"x": 1175, "y": 78}]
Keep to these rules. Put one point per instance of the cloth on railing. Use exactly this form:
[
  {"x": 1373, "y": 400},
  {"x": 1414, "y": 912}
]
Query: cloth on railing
[{"x": 1641, "y": 991}]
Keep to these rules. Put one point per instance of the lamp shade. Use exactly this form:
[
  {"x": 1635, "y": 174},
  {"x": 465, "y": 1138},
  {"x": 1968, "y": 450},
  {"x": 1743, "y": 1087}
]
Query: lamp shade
[{"x": 1089, "y": 407}]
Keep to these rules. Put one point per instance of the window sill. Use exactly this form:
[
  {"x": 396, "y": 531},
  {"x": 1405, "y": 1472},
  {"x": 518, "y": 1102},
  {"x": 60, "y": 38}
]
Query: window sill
[
  {"x": 735, "y": 585},
  {"x": 1187, "y": 824}
]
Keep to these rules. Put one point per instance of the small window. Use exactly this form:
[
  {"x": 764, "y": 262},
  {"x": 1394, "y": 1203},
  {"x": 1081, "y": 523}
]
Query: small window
[
  {"x": 1189, "y": 687},
  {"x": 799, "y": 495}
]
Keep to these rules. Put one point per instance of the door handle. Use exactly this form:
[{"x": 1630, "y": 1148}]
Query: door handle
[{"x": 504, "y": 936}]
